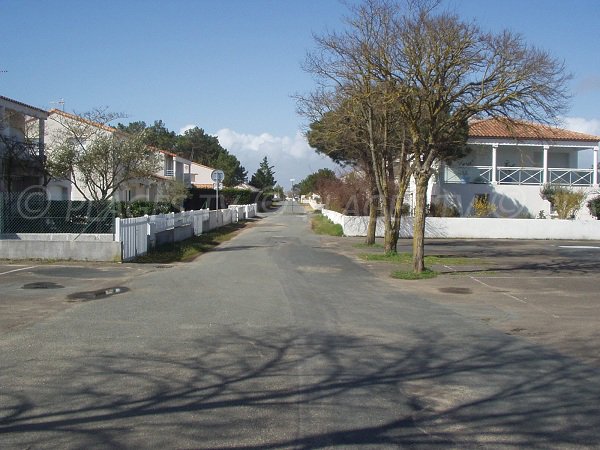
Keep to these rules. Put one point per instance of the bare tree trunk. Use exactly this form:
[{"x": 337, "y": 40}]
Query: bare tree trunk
[
  {"x": 398, "y": 215},
  {"x": 372, "y": 227},
  {"x": 421, "y": 180},
  {"x": 403, "y": 174},
  {"x": 381, "y": 179},
  {"x": 387, "y": 222}
]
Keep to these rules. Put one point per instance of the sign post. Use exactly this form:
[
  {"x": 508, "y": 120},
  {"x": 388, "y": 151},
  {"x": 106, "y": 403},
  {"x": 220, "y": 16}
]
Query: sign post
[{"x": 217, "y": 176}]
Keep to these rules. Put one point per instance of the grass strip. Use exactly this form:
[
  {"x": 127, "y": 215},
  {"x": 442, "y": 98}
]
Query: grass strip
[
  {"x": 322, "y": 225},
  {"x": 190, "y": 249},
  {"x": 405, "y": 258},
  {"x": 410, "y": 275}
]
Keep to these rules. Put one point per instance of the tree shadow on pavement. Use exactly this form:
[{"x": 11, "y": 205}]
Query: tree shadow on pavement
[{"x": 297, "y": 388}]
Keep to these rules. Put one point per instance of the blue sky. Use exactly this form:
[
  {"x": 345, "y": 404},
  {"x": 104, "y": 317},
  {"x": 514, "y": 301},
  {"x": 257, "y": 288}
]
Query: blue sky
[{"x": 231, "y": 66}]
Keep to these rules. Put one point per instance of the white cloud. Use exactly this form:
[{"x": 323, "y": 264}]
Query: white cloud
[
  {"x": 264, "y": 143},
  {"x": 190, "y": 126},
  {"x": 589, "y": 126},
  {"x": 291, "y": 157}
]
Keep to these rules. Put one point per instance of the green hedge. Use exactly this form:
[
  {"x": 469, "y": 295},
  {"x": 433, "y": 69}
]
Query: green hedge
[
  {"x": 206, "y": 198},
  {"x": 141, "y": 208}
]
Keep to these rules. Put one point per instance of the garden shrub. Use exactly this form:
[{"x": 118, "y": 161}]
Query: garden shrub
[
  {"x": 594, "y": 206},
  {"x": 441, "y": 209},
  {"x": 482, "y": 206},
  {"x": 566, "y": 202},
  {"x": 139, "y": 208}
]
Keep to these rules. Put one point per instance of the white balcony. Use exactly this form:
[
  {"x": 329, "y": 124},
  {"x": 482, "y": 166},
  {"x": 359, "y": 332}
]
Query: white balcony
[{"x": 518, "y": 175}]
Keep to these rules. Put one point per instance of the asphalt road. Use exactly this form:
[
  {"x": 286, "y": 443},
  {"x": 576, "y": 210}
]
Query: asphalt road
[{"x": 275, "y": 341}]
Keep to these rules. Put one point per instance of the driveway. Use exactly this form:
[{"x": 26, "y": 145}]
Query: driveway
[{"x": 275, "y": 340}]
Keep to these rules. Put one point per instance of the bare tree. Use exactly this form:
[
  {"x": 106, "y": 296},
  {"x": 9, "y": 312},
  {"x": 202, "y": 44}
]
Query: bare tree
[
  {"x": 342, "y": 66},
  {"x": 447, "y": 71},
  {"x": 337, "y": 135},
  {"x": 96, "y": 158}
]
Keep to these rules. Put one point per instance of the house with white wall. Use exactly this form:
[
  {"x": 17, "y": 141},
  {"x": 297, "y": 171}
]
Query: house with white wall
[
  {"x": 21, "y": 155},
  {"x": 200, "y": 176},
  {"x": 172, "y": 167},
  {"x": 510, "y": 161}
]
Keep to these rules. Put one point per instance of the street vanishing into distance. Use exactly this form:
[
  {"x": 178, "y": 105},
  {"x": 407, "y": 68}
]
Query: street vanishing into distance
[{"x": 273, "y": 341}]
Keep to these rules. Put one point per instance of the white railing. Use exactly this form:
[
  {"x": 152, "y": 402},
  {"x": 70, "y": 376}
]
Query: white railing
[
  {"x": 518, "y": 175},
  {"x": 468, "y": 174},
  {"x": 169, "y": 173},
  {"x": 139, "y": 234},
  {"x": 571, "y": 177}
]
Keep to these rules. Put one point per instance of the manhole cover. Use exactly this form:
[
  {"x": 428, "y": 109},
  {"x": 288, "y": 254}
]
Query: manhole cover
[
  {"x": 455, "y": 290},
  {"x": 42, "y": 285},
  {"x": 95, "y": 295}
]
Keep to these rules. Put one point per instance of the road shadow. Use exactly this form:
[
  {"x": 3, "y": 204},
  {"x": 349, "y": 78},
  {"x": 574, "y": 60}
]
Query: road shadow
[{"x": 293, "y": 388}]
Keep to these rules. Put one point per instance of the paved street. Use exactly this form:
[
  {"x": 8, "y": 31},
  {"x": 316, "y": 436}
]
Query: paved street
[{"x": 274, "y": 340}]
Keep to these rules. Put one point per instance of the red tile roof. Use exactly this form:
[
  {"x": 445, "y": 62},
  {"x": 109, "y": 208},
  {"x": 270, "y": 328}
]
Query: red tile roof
[{"x": 518, "y": 129}]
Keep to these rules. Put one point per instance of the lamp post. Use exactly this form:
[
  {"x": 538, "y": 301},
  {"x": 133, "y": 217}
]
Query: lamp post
[{"x": 292, "y": 181}]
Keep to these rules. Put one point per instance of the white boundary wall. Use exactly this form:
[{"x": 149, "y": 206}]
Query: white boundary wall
[{"x": 478, "y": 228}]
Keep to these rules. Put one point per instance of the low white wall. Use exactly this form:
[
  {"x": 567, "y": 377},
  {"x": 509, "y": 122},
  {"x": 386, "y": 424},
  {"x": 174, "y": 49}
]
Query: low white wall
[
  {"x": 315, "y": 205},
  {"x": 63, "y": 250},
  {"x": 478, "y": 228},
  {"x": 57, "y": 237}
]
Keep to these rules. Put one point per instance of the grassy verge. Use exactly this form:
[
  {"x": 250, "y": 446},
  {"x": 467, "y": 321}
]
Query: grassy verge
[
  {"x": 189, "y": 249},
  {"x": 406, "y": 258},
  {"x": 322, "y": 225},
  {"x": 410, "y": 275}
]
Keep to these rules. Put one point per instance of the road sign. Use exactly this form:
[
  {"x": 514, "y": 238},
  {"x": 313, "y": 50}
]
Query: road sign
[{"x": 217, "y": 176}]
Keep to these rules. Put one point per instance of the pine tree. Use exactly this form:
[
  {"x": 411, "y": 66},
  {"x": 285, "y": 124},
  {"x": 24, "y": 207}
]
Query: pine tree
[{"x": 264, "y": 178}]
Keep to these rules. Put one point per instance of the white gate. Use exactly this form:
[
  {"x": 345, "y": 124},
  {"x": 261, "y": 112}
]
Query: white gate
[{"x": 133, "y": 235}]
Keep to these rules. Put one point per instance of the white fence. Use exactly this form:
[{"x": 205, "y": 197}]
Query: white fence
[
  {"x": 139, "y": 234},
  {"x": 478, "y": 228}
]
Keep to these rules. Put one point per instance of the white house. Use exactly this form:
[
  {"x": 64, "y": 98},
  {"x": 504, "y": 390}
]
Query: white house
[
  {"x": 200, "y": 176},
  {"x": 173, "y": 167},
  {"x": 21, "y": 155},
  {"x": 510, "y": 161}
]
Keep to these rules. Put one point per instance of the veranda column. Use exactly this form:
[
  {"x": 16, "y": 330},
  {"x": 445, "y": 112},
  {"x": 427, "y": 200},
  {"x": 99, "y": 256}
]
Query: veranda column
[
  {"x": 545, "y": 172},
  {"x": 595, "y": 167},
  {"x": 494, "y": 163}
]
